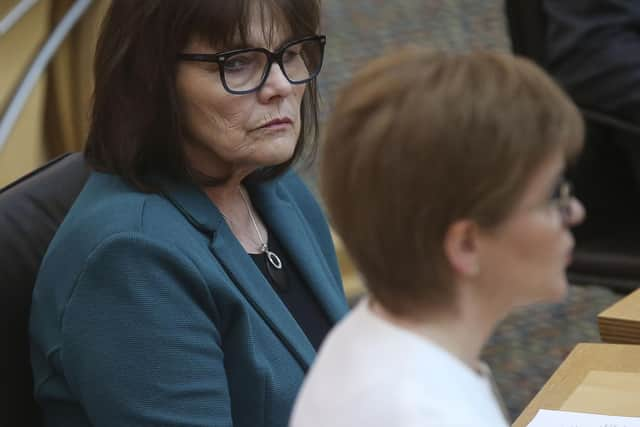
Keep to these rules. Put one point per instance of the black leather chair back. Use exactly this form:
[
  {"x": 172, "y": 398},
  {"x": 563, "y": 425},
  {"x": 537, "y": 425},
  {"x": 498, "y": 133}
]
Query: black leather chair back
[
  {"x": 608, "y": 242},
  {"x": 527, "y": 28},
  {"x": 31, "y": 209}
]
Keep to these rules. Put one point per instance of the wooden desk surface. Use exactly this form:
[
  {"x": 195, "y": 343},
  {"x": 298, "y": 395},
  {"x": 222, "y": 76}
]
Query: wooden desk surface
[{"x": 585, "y": 357}]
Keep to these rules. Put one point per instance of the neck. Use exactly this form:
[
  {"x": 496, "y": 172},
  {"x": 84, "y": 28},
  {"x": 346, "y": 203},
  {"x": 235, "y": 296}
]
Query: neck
[
  {"x": 226, "y": 196},
  {"x": 462, "y": 329},
  {"x": 235, "y": 206}
]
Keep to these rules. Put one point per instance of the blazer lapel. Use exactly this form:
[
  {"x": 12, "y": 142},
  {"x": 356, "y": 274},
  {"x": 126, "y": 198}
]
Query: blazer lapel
[
  {"x": 241, "y": 269},
  {"x": 295, "y": 234}
]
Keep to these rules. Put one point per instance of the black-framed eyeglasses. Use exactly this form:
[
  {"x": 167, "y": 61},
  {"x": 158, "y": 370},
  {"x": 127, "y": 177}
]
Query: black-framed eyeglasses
[
  {"x": 245, "y": 70},
  {"x": 562, "y": 199}
]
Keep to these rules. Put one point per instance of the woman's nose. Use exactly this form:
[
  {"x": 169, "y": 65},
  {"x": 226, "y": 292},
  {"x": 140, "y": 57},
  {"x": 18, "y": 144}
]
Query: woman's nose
[
  {"x": 576, "y": 213},
  {"x": 276, "y": 83}
]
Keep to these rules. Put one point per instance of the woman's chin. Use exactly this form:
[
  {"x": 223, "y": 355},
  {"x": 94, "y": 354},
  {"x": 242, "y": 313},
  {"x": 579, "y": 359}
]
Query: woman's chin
[
  {"x": 551, "y": 292},
  {"x": 277, "y": 154},
  {"x": 558, "y": 292}
]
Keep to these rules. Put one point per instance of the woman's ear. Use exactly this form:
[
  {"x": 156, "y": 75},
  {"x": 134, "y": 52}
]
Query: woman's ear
[{"x": 461, "y": 248}]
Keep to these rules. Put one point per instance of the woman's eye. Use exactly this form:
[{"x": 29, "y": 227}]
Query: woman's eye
[
  {"x": 237, "y": 63},
  {"x": 290, "y": 55}
]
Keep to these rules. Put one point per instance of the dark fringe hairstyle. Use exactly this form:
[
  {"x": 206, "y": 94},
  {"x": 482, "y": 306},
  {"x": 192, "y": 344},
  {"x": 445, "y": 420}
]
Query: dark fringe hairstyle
[{"x": 136, "y": 123}]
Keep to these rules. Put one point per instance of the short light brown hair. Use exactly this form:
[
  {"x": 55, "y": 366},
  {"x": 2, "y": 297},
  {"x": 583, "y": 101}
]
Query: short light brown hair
[{"x": 420, "y": 139}]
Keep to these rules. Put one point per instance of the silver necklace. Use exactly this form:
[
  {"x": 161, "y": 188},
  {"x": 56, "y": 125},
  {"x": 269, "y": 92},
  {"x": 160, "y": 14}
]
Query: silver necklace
[{"x": 264, "y": 248}]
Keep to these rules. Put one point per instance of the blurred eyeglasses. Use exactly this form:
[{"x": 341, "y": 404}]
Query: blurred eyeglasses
[
  {"x": 245, "y": 70},
  {"x": 562, "y": 199}
]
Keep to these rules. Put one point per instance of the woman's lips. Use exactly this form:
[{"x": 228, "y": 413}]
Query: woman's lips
[
  {"x": 568, "y": 259},
  {"x": 277, "y": 123},
  {"x": 569, "y": 256}
]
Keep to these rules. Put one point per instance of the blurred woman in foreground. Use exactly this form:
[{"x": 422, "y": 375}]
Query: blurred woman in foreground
[{"x": 443, "y": 174}]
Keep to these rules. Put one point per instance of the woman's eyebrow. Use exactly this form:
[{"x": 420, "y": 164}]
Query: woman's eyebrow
[
  {"x": 251, "y": 44},
  {"x": 237, "y": 44}
]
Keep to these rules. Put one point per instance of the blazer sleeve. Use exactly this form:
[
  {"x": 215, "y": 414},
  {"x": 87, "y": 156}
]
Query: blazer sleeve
[
  {"x": 140, "y": 345},
  {"x": 593, "y": 49}
]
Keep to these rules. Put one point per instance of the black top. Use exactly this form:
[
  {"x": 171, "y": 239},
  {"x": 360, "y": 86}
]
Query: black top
[{"x": 295, "y": 294}]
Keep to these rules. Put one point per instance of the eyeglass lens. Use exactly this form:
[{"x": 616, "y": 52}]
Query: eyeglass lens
[
  {"x": 564, "y": 197},
  {"x": 245, "y": 71}
]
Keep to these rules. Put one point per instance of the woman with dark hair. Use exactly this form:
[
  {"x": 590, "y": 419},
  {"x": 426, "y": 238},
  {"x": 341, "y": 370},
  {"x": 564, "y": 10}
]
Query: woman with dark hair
[{"x": 194, "y": 278}]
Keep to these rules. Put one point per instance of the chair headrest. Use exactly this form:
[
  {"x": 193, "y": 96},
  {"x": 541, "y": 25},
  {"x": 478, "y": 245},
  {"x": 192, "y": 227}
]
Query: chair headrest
[{"x": 31, "y": 209}]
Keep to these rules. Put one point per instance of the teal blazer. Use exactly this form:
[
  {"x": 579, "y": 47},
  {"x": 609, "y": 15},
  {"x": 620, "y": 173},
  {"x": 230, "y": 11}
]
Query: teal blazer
[{"x": 148, "y": 312}]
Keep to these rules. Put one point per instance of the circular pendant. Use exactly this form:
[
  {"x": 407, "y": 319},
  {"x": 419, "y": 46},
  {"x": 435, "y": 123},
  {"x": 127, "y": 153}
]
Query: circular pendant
[{"x": 274, "y": 259}]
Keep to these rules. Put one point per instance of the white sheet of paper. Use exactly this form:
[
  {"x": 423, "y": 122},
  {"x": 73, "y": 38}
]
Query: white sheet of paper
[{"x": 547, "y": 418}]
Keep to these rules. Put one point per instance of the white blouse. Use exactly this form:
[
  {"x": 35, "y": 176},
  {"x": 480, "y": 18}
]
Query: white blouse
[{"x": 372, "y": 373}]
